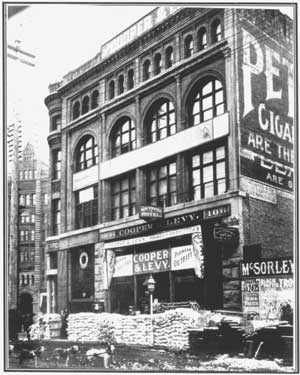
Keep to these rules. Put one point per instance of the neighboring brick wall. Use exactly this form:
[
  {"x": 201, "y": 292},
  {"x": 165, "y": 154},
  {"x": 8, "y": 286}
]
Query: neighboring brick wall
[{"x": 271, "y": 225}]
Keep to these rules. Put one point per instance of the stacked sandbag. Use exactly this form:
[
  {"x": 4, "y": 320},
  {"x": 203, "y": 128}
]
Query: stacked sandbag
[
  {"x": 43, "y": 326},
  {"x": 83, "y": 327},
  {"x": 136, "y": 330}
]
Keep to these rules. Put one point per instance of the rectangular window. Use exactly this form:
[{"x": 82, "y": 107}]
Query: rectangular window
[
  {"x": 33, "y": 199},
  {"x": 28, "y": 199},
  {"x": 123, "y": 197},
  {"x": 20, "y": 175},
  {"x": 45, "y": 198},
  {"x": 21, "y": 200},
  {"x": 56, "y": 164},
  {"x": 209, "y": 173},
  {"x": 30, "y": 175},
  {"x": 161, "y": 183},
  {"x": 32, "y": 218},
  {"x": 32, "y": 235},
  {"x": 86, "y": 202},
  {"x": 56, "y": 216},
  {"x": 25, "y": 175}
]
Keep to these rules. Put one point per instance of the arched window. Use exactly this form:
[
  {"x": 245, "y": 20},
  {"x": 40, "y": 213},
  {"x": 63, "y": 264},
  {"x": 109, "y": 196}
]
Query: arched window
[
  {"x": 111, "y": 90},
  {"x": 157, "y": 63},
  {"x": 123, "y": 137},
  {"x": 160, "y": 122},
  {"x": 169, "y": 57},
  {"x": 85, "y": 105},
  {"x": 32, "y": 279},
  {"x": 86, "y": 154},
  {"x": 130, "y": 79},
  {"x": 146, "y": 70},
  {"x": 208, "y": 101},
  {"x": 188, "y": 46},
  {"x": 76, "y": 110},
  {"x": 95, "y": 97},
  {"x": 28, "y": 279},
  {"x": 23, "y": 279},
  {"x": 216, "y": 31},
  {"x": 202, "y": 39},
  {"x": 121, "y": 84}
]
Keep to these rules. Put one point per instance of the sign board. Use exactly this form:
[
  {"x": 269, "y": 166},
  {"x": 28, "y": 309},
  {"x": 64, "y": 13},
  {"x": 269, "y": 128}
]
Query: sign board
[
  {"x": 267, "y": 108},
  {"x": 123, "y": 266},
  {"x": 226, "y": 234},
  {"x": 166, "y": 223},
  {"x": 250, "y": 295},
  {"x": 182, "y": 257},
  {"x": 268, "y": 267},
  {"x": 151, "y": 212},
  {"x": 258, "y": 190},
  {"x": 151, "y": 262}
]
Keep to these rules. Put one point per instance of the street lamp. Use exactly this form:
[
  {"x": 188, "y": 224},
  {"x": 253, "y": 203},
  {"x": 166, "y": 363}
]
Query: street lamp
[{"x": 151, "y": 287}]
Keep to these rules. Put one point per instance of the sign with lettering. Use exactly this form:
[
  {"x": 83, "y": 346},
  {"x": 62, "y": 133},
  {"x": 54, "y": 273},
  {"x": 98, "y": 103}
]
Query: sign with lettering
[
  {"x": 250, "y": 295},
  {"x": 123, "y": 266},
  {"x": 176, "y": 221},
  {"x": 151, "y": 212},
  {"x": 267, "y": 109},
  {"x": 226, "y": 235},
  {"x": 268, "y": 267},
  {"x": 151, "y": 262},
  {"x": 182, "y": 257},
  {"x": 258, "y": 190}
]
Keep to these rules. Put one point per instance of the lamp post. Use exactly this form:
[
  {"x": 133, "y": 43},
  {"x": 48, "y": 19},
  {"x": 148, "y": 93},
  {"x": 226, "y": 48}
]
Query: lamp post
[{"x": 151, "y": 287}]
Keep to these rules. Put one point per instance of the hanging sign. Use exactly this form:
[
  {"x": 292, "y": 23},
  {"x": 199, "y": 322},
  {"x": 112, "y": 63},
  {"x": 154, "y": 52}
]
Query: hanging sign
[
  {"x": 226, "y": 234},
  {"x": 151, "y": 212}
]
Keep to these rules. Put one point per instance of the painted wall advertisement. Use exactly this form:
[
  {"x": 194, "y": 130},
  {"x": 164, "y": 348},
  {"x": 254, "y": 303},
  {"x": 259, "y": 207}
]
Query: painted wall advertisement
[
  {"x": 266, "y": 110},
  {"x": 266, "y": 286}
]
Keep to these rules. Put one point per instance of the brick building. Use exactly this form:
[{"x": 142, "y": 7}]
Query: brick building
[
  {"x": 171, "y": 153},
  {"x": 31, "y": 213}
]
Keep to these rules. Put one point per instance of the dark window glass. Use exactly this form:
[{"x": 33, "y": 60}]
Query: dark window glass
[
  {"x": 208, "y": 101},
  {"x": 86, "y": 211},
  {"x": 111, "y": 90},
  {"x": 161, "y": 184},
  {"x": 169, "y": 61},
  {"x": 209, "y": 172},
  {"x": 123, "y": 197},
  {"x": 130, "y": 79},
  {"x": 120, "y": 84},
  {"x": 86, "y": 153},
  {"x": 56, "y": 164},
  {"x": 56, "y": 216},
  {"x": 188, "y": 46},
  {"x": 124, "y": 137},
  {"x": 146, "y": 70},
  {"x": 85, "y": 104},
  {"x": 95, "y": 98},
  {"x": 157, "y": 63},
  {"x": 216, "y": 31},
  {"x": 161, "y": 121},
  {"x": 76, "y": 110},
  {"x": 56, "y": 122},
  {"x": 202, "y": 39}
]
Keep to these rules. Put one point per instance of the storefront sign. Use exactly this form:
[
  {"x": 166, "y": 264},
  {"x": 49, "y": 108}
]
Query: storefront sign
[
  {"x": 182, "y": 258},
  {"x": 226, "y": 235},
  {"x": 151, "y": 212},
  {"x": 176, "y": 221},
  {"x": 267, "y": 110},
  {"x": 123, "y": 266},
  {"x": 250, "y": 295},
  {"x": 270, "y": 267},
  {"x": 153, "y": 261},
  {"x": 258, "y": 190},
  {"x": 197, "y": 243}
]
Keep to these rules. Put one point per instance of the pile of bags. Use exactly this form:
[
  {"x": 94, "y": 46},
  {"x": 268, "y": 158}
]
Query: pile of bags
[
  {"x": 41, "y": 328},
  {"x": 168, "y": 329}
]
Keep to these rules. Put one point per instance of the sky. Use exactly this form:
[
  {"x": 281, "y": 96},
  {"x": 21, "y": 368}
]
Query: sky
[{"x": 62, "y": 37}]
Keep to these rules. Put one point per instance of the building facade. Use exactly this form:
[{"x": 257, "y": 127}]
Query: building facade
[
  {"x": 31, "y": 213},
  {"x": 171, "y": 154}
]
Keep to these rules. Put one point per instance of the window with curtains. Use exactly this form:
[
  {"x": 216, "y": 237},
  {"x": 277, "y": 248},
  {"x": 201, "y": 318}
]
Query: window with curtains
[
  {"x": 86, "y": 207},
  {"x": 123, "y": 196},
  {"x": 208, "y": 101},
  {"x": 85, "y": 104},
  {"x": 56, "y": 216},
  {"x": 209, "y": 172},
  {"x": 86, "y": 153},
  {"x": 216, "y": 31},
  {"x": 157, "y": 63},
  {"x": 161, "y": 184},
  {"x": 146, "y": 70},
  {"x": 188, "y": 46},
  {"x": 202, "y": 39},
  {"x": 160, "y": 121},
  {"x": 123, "y": 137},
  {"x": 56, "y": 164}
]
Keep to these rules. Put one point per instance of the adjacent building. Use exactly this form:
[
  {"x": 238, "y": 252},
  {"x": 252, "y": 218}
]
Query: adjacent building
[{"x": 171, "y": 154}]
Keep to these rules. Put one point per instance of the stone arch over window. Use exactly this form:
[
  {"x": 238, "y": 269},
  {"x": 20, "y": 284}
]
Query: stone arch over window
[
  {"x": 111, "y": 89},
  {"x": 160, "y": 120},
  {"x": 121, "y": 84},
  {"x": 157, "y": 64},
  {"x": 146, "y": 70},
  {"x": 202, "y": 38},
  {"x": 130, "y": 79},
  {"x": 205, "y": 100},
  {"x": 76, "y": 109},
  {"x": 85, "y": 104},
  {"x": 123, "y": 136},
  {"x": 216, "y": 31},
  {"x": 188, "y": 46},
  {"x": 169, "y": 57},
  {"x": 95, "y": 98},
  {"x": 86, "y": 153}
]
